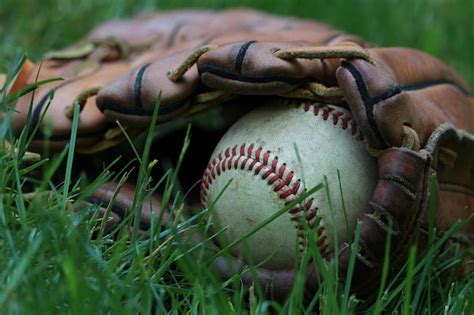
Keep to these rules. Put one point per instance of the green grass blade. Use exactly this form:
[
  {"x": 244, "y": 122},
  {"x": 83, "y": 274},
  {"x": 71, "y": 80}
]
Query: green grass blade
[{"x": 70, "y": 156}]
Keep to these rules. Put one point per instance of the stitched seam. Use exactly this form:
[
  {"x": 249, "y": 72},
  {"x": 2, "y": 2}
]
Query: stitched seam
[
  {"x": 165, "y": 108},
  {"x": 401, "y": 183},
  {"x": 368, "y": 100},
  {"x": 241, "y": 55},
  {"x": 137, "y": 86},
  {"x": 343, "y": 119},
  {"x": 232, "y": 75},
  {"x": 432, "y": 83},
  {"x": 378, "y": 208},
  {"x": 38, "y": 109},
  {"x": 328, "y": 40},
  {"x": 277, "y": 175},
  {"x": 455, "y": 188},
  {"x": 174, "y": 34}
]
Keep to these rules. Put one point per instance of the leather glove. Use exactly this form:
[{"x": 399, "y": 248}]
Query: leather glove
[{"x": 414, "y": 112}]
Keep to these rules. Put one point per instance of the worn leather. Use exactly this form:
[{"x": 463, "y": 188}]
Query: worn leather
[
  {"x": 415, "y": 112},
  {"x": 399, "y": 199},
  {"x": 121, "y": 197},
  {"x": 120, "y": 47},
  {"x": 79, "y": 77}
]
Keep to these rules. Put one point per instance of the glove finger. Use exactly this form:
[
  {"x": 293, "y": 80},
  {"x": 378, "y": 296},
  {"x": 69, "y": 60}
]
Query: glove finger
[
  {"x": 399, "y": 199},
  {"x": 123, "y": 204},
  {"x": 132, "y": 97},
  {"x": 58, "y": 96},
  {"x": 86, "y": 66},
  {"x": 410, "y": 88},
  {"x": 453, "y": 161},
  {"x": 239, "y": 68},
  {"x": 158, "y": 30},
  {"x": 406, "y": 88},
  {"x": 191, "y": 28},
  {"x": 252, "y": 68}
]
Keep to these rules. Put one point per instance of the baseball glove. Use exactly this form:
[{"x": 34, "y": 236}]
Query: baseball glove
[{"x": 414, "y": 112}]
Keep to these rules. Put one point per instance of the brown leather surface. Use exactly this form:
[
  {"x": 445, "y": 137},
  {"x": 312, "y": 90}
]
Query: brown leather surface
[
  {"x": 399, "y": 199},
  {"x": 260, "y": 73},
  {"x": 78, "y": 79},
  {"x": 123, "y": 204},
  {"x": 135, "y": 94},
  {"x": 407, "y": 87},
  {"x": 118, "y": 47},
  {"x": 161, "y": 30},
  {"x": 453, "y": 163}
]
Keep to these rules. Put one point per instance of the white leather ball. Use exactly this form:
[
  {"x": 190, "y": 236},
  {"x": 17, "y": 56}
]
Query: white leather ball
[{"x": 272, "y": 155}]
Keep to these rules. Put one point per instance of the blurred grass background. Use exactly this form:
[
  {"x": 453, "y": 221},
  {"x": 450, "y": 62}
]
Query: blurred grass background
[{"x": 441, "y": 27}]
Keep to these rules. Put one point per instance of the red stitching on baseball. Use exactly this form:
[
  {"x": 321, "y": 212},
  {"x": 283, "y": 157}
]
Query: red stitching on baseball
[
  {"x": 311, "y": 214},
  {"x": 327, "y": 110},
  {"x": 347, "y": 122},
  {"x": 278, "y": 175},
  {"x": 335, "y": 117}
]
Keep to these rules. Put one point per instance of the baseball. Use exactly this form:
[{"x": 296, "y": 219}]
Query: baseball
[{"x": 273, "y": 155}]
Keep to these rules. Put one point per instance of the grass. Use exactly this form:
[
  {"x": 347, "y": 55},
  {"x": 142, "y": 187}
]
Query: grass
[{"x": 52, "y": 260}]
